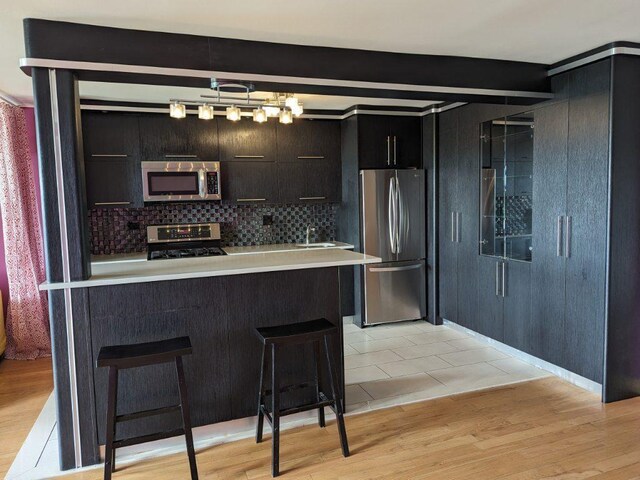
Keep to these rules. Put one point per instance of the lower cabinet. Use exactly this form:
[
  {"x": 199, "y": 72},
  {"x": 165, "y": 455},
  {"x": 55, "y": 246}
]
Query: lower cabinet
[{"x": 249, "y": 182}]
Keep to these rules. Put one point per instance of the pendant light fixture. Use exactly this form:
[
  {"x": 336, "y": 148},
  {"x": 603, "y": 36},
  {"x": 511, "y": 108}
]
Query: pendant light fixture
[
  {"x": 205, "y": 112},
  {"x": 259, "y": 115},
  {"x": 233, "y": 113},
  {"x": 177, "y": 110},
  {"x": 286, "y": 116},
  {"x": 284, "y": 106}
]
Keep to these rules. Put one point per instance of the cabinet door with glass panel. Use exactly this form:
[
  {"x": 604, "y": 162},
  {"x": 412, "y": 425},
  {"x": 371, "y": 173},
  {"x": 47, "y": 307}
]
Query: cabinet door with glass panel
[{"x": 506, "y": 187}]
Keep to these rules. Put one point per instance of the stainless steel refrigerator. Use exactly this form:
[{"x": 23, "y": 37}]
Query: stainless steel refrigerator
[{"x": 393, "y": 228}]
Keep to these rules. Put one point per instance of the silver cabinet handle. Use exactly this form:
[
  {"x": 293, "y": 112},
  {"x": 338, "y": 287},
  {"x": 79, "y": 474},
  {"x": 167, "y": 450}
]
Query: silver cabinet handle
[
  {"x": 312, "y": 198},
  {"x": 112, "y": 203},
  {"x": 395, "y": 269},
  {"x": 251, "y": 200},
  {"x": 567, "y": 238},
  {"x": 388, "y": 150},
  {"x": 458, "y": 215},
  {"x": 497, "y": 279},
  {"x": 395, "y": 150},
  {"x": 181, "y": 156},
  {"x": 249, "y": 156},
  {"x": 108, "y": 155},
  {"x": 503, "y": 279},
  {"x": 559, "y": 237},
  {"x": 310, "y": 157},
  {"x": 453, "y": 226}
]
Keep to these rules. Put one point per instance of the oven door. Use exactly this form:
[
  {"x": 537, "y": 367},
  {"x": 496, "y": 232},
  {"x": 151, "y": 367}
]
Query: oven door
[{"x": 173, "y": 184}]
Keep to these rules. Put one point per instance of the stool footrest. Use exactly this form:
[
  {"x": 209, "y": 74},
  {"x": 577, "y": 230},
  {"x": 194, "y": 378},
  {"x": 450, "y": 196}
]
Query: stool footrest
[
  {"x": 290, "y": 388},
  {"x": 147, "y": 413},
  {"x": 126, "y": 442},
  {"x": 325, "y": 402}
]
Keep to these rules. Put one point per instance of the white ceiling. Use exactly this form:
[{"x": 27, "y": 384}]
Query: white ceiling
[{"x": 543, "y": 31}]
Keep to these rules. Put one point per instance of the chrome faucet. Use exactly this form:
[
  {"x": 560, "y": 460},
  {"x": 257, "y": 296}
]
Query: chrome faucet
[{"x": 310, "y": 229}]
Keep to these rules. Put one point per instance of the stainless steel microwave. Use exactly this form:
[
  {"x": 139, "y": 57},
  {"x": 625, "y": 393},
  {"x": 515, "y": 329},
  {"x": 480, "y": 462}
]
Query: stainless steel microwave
[{"x": 180, "y": 181}]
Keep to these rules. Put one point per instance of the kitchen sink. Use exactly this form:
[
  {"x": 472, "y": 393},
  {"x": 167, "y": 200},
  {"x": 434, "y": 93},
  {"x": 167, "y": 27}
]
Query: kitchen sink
[{"x": 316, "y": 245}]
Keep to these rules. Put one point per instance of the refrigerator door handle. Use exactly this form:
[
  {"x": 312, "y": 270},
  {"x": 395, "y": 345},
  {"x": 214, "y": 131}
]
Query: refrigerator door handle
[
  {"x": 453, "y": 226},
  {"x": 401, "y": 217},
  {"x": 497, "y": 279},
  {"x": 559, "y": 237},
  {"x": 391, "y": 213},
  {"x": 458, "y": 215}
]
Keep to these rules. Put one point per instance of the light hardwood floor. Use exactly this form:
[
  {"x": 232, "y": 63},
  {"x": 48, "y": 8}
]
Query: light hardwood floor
[
  {"x": 540, "y": 429},
  {"x": 24, "y": 389}
]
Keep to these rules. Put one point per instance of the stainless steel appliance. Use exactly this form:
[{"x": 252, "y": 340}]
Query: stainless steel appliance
[
  {"x": 180, "y": 181},
  {"x": 183, "y": 241},
  {"x": 393, "y": 220}
]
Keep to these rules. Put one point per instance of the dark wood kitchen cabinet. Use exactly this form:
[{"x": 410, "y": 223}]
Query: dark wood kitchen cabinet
[
  {"x": 309, "y": 140},
  {"x": 247, "y": 140},
  {"x": 249, "y": 181},
  {"x": 309, "y": 168},
  {"x": 112, "y": 160},
  {"x": 389, "y": 141},
  {"x": 179, "y": 139}
]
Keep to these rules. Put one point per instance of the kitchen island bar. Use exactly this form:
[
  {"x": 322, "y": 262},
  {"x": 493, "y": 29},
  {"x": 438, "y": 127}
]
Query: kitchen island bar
[{"x": 218, "y": 302}]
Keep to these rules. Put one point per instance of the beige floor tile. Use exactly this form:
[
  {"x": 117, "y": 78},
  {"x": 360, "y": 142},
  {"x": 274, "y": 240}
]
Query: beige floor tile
[
  {"x": 355, "y": 394},
  {"x": 382, "y": 344},
  {"x": 400, "y": 386},
  {"x": 355, "y": 337},
  {"x": 417, "y": 351},
  {"x": 467, "y": 375},
  {"x": 468, "y": 357},
  {"x": 437, "y": 336},
  {"x": 349, "y": 350},
  {"x": 350, "y": 328},
  {"x": 372, "y": 358},
  {"x": 515, "y": 366},
  {"x": 363, "y": 374},
  {"x": 416, "y": 365},
  {"x": 392, "y": 331},
  {"x": 467, "y": 344}
]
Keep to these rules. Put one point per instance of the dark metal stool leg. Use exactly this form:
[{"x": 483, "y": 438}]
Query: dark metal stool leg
[
  {"x": 186, "y": 418},
  {"x": 112, "y": 400},
  {"x": 275, "y": 413},
  {"x": 316, "y": 357},
  {"x": 263, "y": 372},
  {"x": 337, "y": 399}
]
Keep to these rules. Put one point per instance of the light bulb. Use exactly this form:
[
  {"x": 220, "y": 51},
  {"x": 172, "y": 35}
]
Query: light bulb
[
  {"x": 205, "y": 112},
  {"x": 233, "y": 113},
  {"x": 272, "y": 110},
  {"x": 291, "y": 102},
  {"x": 297, "y": 109},
  {"x": 286, "y": 116},
  {"x": 259, "y": 115},
  {"x": 177, "y": 110}
]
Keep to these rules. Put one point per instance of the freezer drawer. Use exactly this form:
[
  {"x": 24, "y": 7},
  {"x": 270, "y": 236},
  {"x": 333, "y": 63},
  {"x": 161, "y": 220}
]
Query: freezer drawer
[{"x": 394, "y": 292}]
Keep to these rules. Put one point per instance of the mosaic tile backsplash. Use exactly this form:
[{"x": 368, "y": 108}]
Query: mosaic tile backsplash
[{"x": 123, "y": 230}]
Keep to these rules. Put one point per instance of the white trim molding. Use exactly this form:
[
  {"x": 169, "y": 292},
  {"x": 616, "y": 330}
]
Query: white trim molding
[{"x": 593, "y": 58}]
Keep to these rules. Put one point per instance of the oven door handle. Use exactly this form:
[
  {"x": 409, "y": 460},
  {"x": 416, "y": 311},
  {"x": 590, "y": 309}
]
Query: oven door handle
[{"x": 202, "y": 175}]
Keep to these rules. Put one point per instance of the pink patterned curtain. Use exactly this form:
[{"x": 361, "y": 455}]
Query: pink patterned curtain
[{"x": 27, "y": 317}]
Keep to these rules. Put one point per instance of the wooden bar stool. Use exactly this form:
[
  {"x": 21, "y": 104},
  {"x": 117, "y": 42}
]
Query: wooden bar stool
[
  {"x": 121, "y": 357},
  {"x": 318, "y": 332}
]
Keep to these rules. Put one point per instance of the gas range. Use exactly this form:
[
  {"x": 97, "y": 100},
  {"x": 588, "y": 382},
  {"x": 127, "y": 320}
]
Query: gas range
[{"x": 183, "y": 241}]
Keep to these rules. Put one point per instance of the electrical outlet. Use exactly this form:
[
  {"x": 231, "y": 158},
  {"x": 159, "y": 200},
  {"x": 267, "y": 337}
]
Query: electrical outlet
[{"x": 267, "y": 220}]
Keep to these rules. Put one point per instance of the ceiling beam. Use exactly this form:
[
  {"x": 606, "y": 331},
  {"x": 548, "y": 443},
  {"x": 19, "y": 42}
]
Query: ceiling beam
[{"x": 137, "y": 56}]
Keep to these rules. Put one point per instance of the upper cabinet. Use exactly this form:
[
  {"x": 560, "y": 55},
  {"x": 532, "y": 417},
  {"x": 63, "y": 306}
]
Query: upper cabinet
[
  {"x": 112, "y": 160},
  {"x": 309, "y": 140},
  {"x": 309, "y": 161},
  {"x": 247, "y": 140},
  {"x": 389, "y": 142},
  {"x": 166, "y": 138}
]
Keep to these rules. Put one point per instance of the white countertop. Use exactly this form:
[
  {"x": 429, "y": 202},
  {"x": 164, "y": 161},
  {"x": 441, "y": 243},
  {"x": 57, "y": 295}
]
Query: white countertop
[
  {"x": 281, "y": 247},
  {"x": 122, "y": 272}
]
